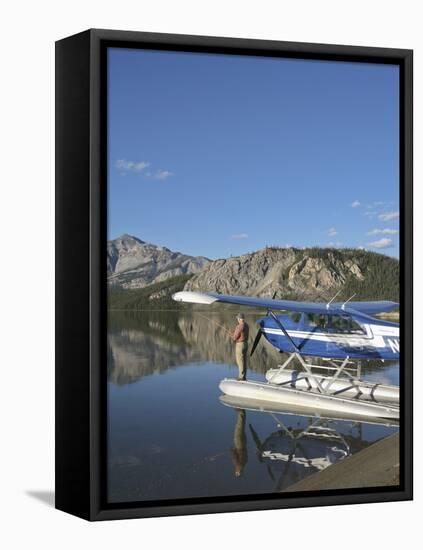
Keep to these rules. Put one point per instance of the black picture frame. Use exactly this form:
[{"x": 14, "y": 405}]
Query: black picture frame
[{"x": 81, "y": 155}]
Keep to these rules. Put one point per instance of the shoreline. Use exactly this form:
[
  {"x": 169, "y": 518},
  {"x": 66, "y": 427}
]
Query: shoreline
[{"x": 376, "y": 466}]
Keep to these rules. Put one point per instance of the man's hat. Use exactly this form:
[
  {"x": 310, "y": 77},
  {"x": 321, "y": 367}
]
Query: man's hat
[{"x": 240, "y": 316}]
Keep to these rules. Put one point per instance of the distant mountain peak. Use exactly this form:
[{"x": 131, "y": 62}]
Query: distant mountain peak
[
  {"x": 133, "y": 263},
  {"x": 128, "y": 238}
]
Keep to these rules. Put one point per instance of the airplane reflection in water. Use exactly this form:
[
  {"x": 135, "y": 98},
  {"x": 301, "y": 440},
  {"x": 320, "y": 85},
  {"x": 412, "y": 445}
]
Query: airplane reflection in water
[{"x": 290, "y": 453}]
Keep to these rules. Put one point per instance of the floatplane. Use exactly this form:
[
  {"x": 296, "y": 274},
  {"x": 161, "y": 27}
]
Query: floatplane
[{"x": 341, "y": 334}]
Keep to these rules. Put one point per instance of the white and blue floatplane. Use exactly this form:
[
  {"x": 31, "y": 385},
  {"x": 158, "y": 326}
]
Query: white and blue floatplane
[{"x": 341, "y": 335}]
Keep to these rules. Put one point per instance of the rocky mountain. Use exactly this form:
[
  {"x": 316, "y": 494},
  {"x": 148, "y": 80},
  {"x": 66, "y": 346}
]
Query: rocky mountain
[
  {"x": 314, "y": 274},
  {"x": 152, "y": 273},
  {"x": 133, "y": 263}
]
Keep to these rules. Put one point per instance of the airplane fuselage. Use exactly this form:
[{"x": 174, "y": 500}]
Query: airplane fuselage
[{"x": 372, "y": 340}]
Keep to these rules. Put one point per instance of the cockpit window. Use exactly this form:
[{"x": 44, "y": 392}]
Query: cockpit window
[
  {"x": 343, "y": 324},
  {"x": 317, "y": 320},
  {"x": 294, "y": 316},
  {"x": 346, "y": 324}
]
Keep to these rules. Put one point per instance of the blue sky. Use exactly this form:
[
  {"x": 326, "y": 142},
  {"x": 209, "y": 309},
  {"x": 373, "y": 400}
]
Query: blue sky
[{"x": 216, "y": 155}]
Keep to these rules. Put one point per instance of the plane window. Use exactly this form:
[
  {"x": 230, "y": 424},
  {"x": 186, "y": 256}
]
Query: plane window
[
  {"x": 317, "y": 320},
  {"x": 333, "y": 323},
  {"x": 295, "y": 316},
  {"x": 309, "y": 319},
  {"x": 346, "y": 324}
]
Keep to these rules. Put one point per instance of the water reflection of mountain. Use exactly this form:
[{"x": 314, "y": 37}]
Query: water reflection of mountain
[
  {"x": 141, "y": 345},
  {"x": 216, "y": 345},
  {"x": 145, "y": 343}
]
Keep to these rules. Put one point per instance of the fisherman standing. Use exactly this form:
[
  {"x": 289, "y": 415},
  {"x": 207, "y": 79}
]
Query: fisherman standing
[{"x": 240, "y": 337}]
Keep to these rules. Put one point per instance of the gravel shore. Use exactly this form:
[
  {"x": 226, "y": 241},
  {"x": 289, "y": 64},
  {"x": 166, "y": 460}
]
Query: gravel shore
[{"x": 376, "y": 466}]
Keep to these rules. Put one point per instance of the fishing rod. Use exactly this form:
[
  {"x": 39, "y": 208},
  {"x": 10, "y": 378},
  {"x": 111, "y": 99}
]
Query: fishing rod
[{"x": 215, "y": 322}]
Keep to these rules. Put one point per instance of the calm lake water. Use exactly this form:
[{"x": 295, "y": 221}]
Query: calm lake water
[{"x": 169, "y": 434}]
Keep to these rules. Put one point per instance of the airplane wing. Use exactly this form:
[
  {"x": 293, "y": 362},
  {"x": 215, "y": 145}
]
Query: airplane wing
[
  {"x": 208, "y": 298},
  {"x": 370, "y": 308}
]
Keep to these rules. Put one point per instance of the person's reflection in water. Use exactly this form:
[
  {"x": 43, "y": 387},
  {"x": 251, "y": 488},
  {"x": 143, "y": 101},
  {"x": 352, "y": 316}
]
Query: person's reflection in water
[{"x": 239, "y": 450}]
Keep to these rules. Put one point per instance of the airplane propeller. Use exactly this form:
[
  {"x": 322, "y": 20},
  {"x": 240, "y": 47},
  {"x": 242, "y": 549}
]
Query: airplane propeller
[
  {"x": 256, "y": 340},
  {"x": 260, "y": 332}
]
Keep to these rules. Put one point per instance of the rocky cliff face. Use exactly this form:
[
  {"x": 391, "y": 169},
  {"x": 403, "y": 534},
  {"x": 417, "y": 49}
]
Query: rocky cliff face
[
  {"x": 282, "y": 272},
  {"x": 313, "y": 274},
  {"x": 133, "y": 263}
]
